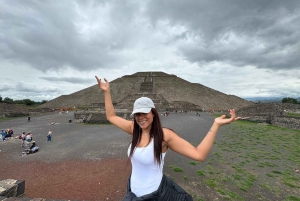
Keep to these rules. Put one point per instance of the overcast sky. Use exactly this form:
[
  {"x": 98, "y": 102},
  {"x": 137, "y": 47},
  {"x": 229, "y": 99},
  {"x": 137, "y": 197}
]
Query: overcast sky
[{"x": 247, "y": 48}]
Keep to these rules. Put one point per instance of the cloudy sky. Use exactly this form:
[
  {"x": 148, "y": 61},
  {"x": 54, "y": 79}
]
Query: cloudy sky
[{"x": 239, "y": 47}]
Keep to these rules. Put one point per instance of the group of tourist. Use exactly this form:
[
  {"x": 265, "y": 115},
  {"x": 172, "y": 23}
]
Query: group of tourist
[
  {"x": 28, "y": 143},
  {"x": 6, "y": 134}
]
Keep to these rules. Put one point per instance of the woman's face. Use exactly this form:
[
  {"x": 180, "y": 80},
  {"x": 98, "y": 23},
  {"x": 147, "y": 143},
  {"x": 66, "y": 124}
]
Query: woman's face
[{"x": 144, "y": 120}]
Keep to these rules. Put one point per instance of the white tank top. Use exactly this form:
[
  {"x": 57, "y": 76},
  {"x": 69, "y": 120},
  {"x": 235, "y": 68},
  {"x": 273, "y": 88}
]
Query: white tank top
[{"x": 146, "y": 175}]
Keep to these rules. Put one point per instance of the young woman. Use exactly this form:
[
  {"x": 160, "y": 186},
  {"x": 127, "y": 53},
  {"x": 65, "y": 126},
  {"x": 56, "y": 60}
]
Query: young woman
[{"x": 149, "y": 145}]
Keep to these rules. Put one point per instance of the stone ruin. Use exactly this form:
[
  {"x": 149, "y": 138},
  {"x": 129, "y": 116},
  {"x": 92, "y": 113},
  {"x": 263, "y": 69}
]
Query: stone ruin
[
  {"x": 276, "y": 114},
  {"x": 168, "y": 92}
]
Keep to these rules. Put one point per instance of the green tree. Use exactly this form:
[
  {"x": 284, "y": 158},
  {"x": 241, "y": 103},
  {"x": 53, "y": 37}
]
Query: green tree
[
  {"x": 44, "y": 101},
  {"x": 8, "y": 100},
  {"x": 289, "y": 100},
  {"x": 18, "y": 102},
  {"x": 28, "y": 102},
  {"x": 0, "y": 98}
]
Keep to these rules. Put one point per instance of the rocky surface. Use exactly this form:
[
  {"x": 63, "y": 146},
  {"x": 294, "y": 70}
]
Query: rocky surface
[{"x": 165, "y": 88}]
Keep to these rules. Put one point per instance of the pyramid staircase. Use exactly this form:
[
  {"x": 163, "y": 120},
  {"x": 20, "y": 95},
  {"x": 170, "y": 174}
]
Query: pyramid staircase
[{"x": 146, "y": 90}]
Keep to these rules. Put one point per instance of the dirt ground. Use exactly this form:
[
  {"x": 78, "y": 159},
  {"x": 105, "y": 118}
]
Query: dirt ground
[
  {"x": 72, "y": 180},
  {"x": 83, "y": 161}
]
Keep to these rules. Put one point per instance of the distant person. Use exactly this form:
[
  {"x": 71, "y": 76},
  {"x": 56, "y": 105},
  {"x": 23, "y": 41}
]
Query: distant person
[
  {"x": 23, "y": 135},
  {"x": 28, "y": 137},
  {"x": 32, "y": 144},
  {"x": 9, "y": 133},
  {"x": 3, "y": 134},
  {"x": 150, "y": 142},
  {"x": 28, "y": 118},
  {"x": 27, "y": 143},
  {"x": 49, "y": 136}
]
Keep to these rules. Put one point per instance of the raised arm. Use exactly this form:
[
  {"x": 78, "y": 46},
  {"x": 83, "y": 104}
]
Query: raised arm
[
  {"x": 111, "y": 116},
  {"x": 200, "y": 152}
]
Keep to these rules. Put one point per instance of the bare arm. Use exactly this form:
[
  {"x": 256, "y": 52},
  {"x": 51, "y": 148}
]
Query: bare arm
[
  {"x": 111, "y": 116},
  {"x": 200, "y": 152}
]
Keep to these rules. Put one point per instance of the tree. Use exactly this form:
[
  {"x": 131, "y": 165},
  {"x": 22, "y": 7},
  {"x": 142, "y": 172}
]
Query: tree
[
  {"x": 289, "y": 100},
  {"x": 0, "y": 98},
  {"x": 44, "y": 101},
  {"x": 8, "y": 100},
  {"x": 28, "y": 102},
  {"x": 18, "y": 102}
]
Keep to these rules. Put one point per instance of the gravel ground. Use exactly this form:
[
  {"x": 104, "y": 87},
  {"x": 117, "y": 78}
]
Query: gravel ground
[{"x": 89, "y": 162}]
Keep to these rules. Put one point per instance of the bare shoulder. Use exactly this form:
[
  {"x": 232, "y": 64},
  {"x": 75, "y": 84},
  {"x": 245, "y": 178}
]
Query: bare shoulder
[{"x": 168, "y": 134}]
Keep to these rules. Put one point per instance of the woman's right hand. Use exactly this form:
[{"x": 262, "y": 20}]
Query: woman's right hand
[{"x": 102, "y": 85}]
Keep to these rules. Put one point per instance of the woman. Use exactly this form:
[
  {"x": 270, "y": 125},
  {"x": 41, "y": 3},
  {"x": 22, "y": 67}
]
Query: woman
[{"x": 149, "y": 145}]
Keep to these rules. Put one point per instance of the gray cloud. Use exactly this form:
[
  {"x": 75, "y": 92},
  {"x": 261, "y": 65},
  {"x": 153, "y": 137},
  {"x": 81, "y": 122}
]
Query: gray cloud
[
  {"x": 73, "y": 80},
  {"x": 260, "y": 33},
  {"x": 48, "y": 38},
  {"x": 23, "y": 90},
  {"x": 33, "y": 88},
  {"x": 59, "y": 35},
  {"x": 115, "y": 37},
  {"x": 4, "y": 87}
]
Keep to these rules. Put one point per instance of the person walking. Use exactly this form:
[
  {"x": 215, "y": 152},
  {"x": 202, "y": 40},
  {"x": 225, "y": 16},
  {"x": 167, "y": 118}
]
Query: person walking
[
  {"x": 49, "y": 136},
  {"x": 150, "y": 142}
]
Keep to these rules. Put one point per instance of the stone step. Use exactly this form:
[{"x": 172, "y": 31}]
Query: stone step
[{"x": 11, "y": 188}]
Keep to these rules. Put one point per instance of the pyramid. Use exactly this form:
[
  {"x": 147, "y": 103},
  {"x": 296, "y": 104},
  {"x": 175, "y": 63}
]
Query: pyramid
[{"x": 167, "y": 91}]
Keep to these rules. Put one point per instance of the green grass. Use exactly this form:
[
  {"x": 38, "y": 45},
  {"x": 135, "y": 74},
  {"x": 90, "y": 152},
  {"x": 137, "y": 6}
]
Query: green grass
[
  {"x": 176, "y": 168},
  {"x": 210, "y": 182},
  {"x": 8, "y": 118},
  {"x": 200, "y": 173},
  {"x": 293, "y": 114},
  {"x": 193, "y": 163},
  {"x": 250, "y": 156},
  {"x": 292, "y": 198}
]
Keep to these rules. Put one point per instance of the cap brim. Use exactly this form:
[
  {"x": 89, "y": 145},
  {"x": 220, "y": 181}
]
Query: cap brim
[{"x": 141, "y": 110}]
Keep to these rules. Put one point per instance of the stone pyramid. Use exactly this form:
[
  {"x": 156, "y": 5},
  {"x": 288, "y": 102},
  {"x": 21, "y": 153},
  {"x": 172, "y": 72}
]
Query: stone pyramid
[{"x": 167, "y": 91}]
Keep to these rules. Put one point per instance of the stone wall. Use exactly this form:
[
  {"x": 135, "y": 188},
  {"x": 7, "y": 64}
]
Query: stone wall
[
  {"x": 272, "y": 113},
  {"x": 93, "y": 117},
  {"x": 286, "y": 122},
  {"x": 19, "y": 110}
]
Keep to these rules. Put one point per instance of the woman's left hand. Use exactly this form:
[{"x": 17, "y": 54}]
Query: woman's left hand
[{"x": 221, "y": 120}]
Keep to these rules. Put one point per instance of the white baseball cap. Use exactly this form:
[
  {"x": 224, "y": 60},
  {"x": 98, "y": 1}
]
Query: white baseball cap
[{"x": 142, "y": 105}]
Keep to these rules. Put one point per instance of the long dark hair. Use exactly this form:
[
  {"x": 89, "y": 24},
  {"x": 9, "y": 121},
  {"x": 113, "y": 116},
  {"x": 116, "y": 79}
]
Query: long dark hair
[{"x": 156, "y": 133}]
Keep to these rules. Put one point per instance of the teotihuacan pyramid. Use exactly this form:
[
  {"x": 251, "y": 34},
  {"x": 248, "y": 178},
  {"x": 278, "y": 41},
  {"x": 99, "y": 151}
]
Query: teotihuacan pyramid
[{"x": 167, "y": 91}]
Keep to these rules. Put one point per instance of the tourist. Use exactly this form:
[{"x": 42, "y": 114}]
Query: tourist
[
  {"x": 3, "y": 133},
  {"x": 49, "y": 136},
  {"x": 149, "y": 145},
  {"x": 31, "y": 135},
  {"x": 23, "y": 135},
  {"x": 27, "y": 141}
]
